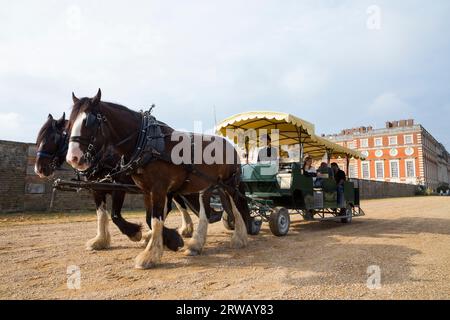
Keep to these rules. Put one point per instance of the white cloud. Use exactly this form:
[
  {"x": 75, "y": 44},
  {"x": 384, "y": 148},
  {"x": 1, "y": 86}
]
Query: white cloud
[
  {"x": 9, "y": 125},
  {"x": 389, "y": 106},
  {"x": 305, "y": 82}
]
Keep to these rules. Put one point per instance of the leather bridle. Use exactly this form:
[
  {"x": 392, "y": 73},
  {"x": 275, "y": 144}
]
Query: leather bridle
[
  {"x": 57, "y": 157},
  {"x": 92, "y": 119}
]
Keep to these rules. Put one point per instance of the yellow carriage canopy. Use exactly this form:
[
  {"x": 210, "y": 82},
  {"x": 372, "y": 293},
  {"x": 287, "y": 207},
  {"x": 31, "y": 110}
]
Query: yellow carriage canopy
[{"x": 291, "y": 131}]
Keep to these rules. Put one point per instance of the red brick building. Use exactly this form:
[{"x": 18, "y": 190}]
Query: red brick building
[{"x": 401, "y": 152}]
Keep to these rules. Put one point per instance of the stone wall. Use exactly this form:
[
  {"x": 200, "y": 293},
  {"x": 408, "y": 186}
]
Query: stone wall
[
  {"x": 370, "y": 189},
  {"x": 13, "y": 162}
]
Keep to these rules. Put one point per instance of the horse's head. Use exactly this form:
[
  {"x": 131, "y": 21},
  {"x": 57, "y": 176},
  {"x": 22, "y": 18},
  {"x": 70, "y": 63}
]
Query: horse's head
[
  {"x": 86, "y": 128},
  {"x": 52, "y": 146}
]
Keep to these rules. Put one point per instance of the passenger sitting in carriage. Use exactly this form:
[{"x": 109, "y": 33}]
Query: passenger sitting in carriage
[
  {"x": 340, "y": 178},
  {"x": 269, "y": 153},
  {"x": 324, "y": 172},
  {"x": 308, "y": 169}
]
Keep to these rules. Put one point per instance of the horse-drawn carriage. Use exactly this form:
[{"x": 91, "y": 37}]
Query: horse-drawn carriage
[
  {"x": 149, "y": 157},
  {"x": 275, "y": 188}
]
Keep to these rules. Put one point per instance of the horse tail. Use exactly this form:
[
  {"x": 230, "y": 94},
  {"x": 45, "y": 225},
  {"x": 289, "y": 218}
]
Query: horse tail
[{"x": 242, "y": 205}]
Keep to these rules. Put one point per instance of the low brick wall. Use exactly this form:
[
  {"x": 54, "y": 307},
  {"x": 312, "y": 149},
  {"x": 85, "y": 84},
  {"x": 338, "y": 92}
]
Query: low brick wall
[
  {"x": 12, "y": 175},
  {"x": 370, "y": 189}
]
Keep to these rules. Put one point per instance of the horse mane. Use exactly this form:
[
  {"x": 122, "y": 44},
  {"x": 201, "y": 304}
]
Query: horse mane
[
  {"x": 84, "y": 105},
  {"x": 47, "y": 125}
]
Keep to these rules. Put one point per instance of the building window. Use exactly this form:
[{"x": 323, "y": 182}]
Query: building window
[
  {"x": 408, "y": 139},
  {"x": 394, "y": 164},
  {"x": 351, "y": 144},
  {"x": 378, "y": 142},
  {"x": 393, "y": 141},
  {"x": 365, "y": 170},
  {"x": 379, "y": 169},
  {"x": 364, "y": 143},
  {"x": 410, "y": 168}
]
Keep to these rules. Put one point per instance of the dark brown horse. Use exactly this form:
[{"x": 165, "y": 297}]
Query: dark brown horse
[
  {"x": 52, "y": 145},
  {"x": 95, "y": 125}
]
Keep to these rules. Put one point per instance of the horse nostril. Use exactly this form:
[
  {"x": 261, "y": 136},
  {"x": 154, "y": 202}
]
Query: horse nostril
[{"x": 74, "y": 159}]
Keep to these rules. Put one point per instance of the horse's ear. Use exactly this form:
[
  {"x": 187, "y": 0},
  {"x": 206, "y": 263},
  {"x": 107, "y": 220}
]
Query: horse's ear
[
  {"x": 62, "y": 121},
  {"x": 97, "y": 98},
  {"x": 50, "y": 117},
  {"x": 74, "y": 98}
]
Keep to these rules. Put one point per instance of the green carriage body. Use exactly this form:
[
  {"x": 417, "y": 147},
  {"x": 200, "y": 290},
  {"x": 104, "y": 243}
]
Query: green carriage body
[
  {"x": 273, "y": 193},
  {"x": 263, "y": 181}
]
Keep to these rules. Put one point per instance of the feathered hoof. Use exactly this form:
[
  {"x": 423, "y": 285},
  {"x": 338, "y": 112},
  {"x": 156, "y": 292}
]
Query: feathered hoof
[
  {"x": 146, "y": 260},
  {"x": 136, "y": 237},
  {"x": 194, "y": 248},
  {"x": 98, "y": 243},
  {"x": 192, "y": 252},
  {"x": 239, "y": 243}
]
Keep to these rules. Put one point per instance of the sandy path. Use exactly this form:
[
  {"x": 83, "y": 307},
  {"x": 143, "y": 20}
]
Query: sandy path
[{"x": 409, "y": 239}]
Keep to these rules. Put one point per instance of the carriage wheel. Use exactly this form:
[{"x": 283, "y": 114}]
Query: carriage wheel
[
  {"x": 349, "y": 213},
  {"x": 255, "y": 226},
  {"x": 227, "y": 220},
  {"x": 279, "y": 222}
]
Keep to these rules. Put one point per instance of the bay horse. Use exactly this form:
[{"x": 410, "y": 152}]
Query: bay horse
[
  {"x": 52, "y": 144},
  {"x": 95, "y": 124}
]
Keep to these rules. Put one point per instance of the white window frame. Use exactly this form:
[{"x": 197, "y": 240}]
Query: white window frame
[
  {"x": 414, "y": 168},
  {"x": 375, "y": 142},
  {"x": 352, "y": 144},
  {"x": 365, "y": 144},
  {"x": 376, "y": 170},
  {"x": 408, "y": 135},
  {"x": 398, "y": 169},
  {"x": 362, "y": 169},
  {"x": 393, "y": 137}
]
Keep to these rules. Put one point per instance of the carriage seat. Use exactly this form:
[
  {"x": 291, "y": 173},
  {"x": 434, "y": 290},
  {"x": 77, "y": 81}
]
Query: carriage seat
[{"x": 284, "y": 180}]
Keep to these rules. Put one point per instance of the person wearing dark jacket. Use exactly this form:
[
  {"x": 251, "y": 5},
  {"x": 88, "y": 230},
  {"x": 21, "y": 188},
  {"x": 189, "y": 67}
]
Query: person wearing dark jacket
[{"x": 340, "y": 178}]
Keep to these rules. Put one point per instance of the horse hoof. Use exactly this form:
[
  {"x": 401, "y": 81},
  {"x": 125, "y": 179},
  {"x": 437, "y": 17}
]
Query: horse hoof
[
  {"x": 145, "y": 260},
  {"x": 238, "y": 243},
  {"x": 98, "y": 244},
  {"x": 192, "y": 252},
  {"x": 172, "y": 239},
  {"x": 136, "y": 237}
]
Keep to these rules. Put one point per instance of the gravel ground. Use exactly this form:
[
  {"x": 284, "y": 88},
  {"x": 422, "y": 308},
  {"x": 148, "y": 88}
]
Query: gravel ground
[{"x": 408, "y": 239}]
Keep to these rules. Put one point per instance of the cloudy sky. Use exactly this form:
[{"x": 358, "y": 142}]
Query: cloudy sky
[{"x": 338, "y": 64}]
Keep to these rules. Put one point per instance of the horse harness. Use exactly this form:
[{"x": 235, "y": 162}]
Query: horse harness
[{"x": 150, "y": 147}]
